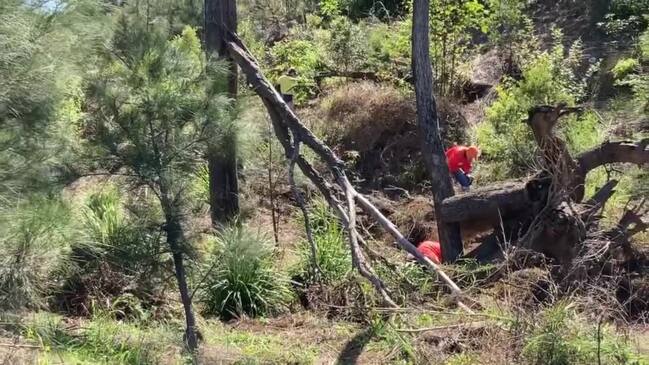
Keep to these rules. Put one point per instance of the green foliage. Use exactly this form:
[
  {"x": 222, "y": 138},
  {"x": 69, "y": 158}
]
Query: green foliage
[
  {"x": 358, "y": 9},
  {"x": 127, "y": 240},
  {"x": 199, "y": 191},
  {"x": 506, "y": 22},
  {"x": 381, "y": 9},
  {"x": 34, "y": 81},
  {"x": 638, "y": 80},
  {"x": 333, "y": 256},
  {"x": 624, "y": 67},
  {"x": 452, "y": 23},
  {"x": 559, "y": 338},
  {"x": 549, "y": 78},
  {"x": 626, "y": 17},
  {"x": 385, "y": 331},
  {"x": 101, "y": 341},
  {"x": 389, "y": 47},
  {"x": 347, "y": 48},
  {"x": 34, "y": 239},
  {"x": 302, "y": 55},
  {"x": 116, "y": 259},
  {"x": 241, "y": 279}
]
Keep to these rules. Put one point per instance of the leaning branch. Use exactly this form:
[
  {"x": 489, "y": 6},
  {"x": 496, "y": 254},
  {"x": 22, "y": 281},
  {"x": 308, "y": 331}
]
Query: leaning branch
[
  {"x": 284, "y": 119},
  {"x": 305, "y": 213}
]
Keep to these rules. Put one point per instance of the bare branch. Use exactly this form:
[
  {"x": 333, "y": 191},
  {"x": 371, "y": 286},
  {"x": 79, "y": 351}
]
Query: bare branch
[
  {"x": 305, "y": 213},
  {"x": 614, "y": 152}
]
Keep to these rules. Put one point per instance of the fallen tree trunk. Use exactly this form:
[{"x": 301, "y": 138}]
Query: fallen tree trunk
[{"x": 487, "y": 203}]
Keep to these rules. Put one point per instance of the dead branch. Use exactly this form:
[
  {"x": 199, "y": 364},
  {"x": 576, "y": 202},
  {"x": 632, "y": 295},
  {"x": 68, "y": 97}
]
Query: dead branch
[
  {"x": 597, "y": 202},
  {"x": 357, "y": 255},
  {"x": 603, "y": 194},
  {"x": 614, "y": 152},
  {"x": 284, "y": 119},
  {"x": 630, "y": 224},
  {"x": 359, "y": 75},
  {"x": 305, "y": 213},
  {"x": 477, "y": 324}
]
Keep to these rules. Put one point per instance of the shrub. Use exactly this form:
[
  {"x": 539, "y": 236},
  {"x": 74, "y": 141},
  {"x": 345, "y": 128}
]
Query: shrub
[
  {"x": 624, "y": 67},
  {"x": 626, "y": 17},
  {"x": 347, "y": 47},
  {"x": 302, "y": 55},
  {"x": 117, "y": 250},
  {"x": 34, "y": 241},
  {"x": 241, "y": 279},
  {"x": 549, "y": 78}
]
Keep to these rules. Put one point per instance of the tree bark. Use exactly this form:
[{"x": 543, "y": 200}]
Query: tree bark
[
  {"x": 428, "y": 122},
  {"x": 175, "y": 240},
  {"x": 221, "y": 17}
]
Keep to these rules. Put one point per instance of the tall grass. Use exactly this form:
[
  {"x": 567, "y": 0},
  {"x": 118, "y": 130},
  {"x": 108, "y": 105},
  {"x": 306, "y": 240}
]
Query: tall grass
[
  {"x": 333, "y": 256},
  {"x": 560, "y": 337},
  {"x": 116, "y": 259},
  {"x": 241, "y": 278},
  {"x": 34, "y": 237},
  {"x": 100, "y": 341},
  {"x": 128, "y": 241}
]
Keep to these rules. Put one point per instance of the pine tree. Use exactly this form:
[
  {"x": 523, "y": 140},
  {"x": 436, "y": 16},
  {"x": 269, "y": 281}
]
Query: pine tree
[{"x": 152, "y": 110}]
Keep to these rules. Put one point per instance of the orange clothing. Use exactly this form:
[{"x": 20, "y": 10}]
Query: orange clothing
[
  {"x": 432, "y": 250},
  {"x": 457, "y": 159}
]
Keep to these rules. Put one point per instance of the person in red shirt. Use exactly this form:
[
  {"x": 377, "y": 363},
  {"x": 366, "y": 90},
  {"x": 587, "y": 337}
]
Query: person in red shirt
[
  {"x": 432, "y": 250},
  {"x": 460, "y": 163}
]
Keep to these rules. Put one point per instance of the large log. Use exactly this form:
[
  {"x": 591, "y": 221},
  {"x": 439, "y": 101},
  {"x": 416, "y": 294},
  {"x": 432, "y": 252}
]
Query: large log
[{"x": 494, "y": 202}]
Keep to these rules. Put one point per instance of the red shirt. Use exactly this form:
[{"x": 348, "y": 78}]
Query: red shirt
[
  {"x": 432, "y": 250},
  {"x": 456, "y": 159}
]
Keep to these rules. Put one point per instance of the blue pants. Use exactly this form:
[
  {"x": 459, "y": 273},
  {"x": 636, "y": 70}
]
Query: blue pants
[{"x": 462, "y": 179}]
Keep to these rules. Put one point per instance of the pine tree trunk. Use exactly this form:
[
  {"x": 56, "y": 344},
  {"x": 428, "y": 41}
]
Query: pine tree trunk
[
  {"x": 428, "y": 122},
  {"x": 224, "y": 186},
  {"x": 175, "y": 240}
]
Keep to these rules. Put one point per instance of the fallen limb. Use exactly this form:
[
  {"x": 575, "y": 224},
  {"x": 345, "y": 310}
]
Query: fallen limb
[
  {"x": 357, "y": 255},
  {"x": 361, "y": 75},
  {"x": 478, "y": 324},
  {"x": 284, "y": 119},
  {"x": 487, "y": 202},
  {"x": 305, "y": 213},
  {"x": 511, "y": 198},
  {"x": 16, "y": 345},
  {"x": 614, "y": 152}
]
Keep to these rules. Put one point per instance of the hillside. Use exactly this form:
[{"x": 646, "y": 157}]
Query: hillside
[{"x": 246, "y": 182}]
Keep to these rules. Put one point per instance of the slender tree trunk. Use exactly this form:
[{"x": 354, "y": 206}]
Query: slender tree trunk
[
  {"x": 175, "y": 240},
  {"x": 224, "y": 185},
  {"x": 432, "y": 148}
]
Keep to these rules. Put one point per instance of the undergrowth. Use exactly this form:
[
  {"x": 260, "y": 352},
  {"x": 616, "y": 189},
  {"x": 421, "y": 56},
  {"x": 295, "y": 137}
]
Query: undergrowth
[
  {"x": 560, "y": 337},
  {"x": 34, "y": 238},
  {"x": 241, "y": 278},
  {"x": 100, "y": 341},
  {"x": 333, "y": 257}
]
